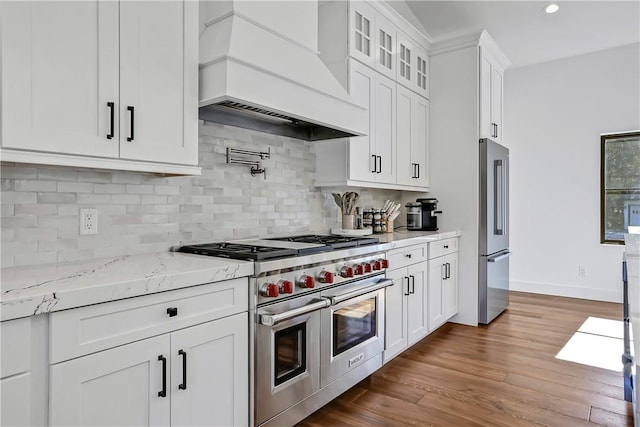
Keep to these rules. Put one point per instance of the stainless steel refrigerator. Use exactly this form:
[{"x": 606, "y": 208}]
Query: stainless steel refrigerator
[{"x": 493, "y": 280}]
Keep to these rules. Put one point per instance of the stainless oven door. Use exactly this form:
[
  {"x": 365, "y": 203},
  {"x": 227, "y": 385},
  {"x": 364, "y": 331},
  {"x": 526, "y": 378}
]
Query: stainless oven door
[
  {"x": 286, "y": 354},
  {"x": 352, "y": 327}
]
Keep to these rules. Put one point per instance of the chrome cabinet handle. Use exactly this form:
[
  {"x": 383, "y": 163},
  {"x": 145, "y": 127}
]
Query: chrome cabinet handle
[
  {"x": 407, "y": 293},
  {"x": 413, "y": 284},
  {"x": 375, "y": 163}
]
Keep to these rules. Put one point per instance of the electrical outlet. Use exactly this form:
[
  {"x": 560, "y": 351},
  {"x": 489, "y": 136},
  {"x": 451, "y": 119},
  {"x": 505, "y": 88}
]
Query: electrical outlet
[
  {"x": 88, "y": 221},
  {"x": 582, "y": 271}
]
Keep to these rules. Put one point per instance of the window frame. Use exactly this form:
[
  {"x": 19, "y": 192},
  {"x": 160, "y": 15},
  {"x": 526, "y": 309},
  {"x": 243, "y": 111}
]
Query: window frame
[{"x": 604, "y": 138}]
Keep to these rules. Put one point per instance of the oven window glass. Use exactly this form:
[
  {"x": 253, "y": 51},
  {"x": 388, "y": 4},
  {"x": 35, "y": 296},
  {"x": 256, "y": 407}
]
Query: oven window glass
[
  {"x": 290, "y": 350},
  {"x": 353, "y": 324}
]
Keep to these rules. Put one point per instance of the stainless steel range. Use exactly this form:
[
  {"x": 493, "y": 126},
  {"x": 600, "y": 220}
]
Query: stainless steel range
[{"x": 317, "y": 319}]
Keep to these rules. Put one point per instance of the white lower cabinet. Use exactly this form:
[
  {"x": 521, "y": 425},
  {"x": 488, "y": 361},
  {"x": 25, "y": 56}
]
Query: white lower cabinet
[
  {"x": 215, "y": 358},
  {"x": 115, "y": 387},
  {"x": 192, "y": 377},
  {"x": 185, "y": 362},
  {"x": 443, "y": 285},
  {"x": 406, "y": 304},
  {"x": 23, "y": 374},
  {"x": 424, "y": 294}
]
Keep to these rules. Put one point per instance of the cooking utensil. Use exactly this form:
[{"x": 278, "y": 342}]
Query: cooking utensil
[{"x": 338, "y": 199}]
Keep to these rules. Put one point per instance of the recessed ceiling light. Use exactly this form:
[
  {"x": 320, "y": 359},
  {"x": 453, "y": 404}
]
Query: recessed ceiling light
[{"x": 551, "y": 8}]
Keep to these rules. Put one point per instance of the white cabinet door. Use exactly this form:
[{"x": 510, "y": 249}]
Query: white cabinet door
[
  {"x": 420, "y": 142},
  {"x": 385, "y": 43},
  {"x": 361, "y": 32},
  {"x": 384, "y": 129},
  {"x": 362, "y": 160},
  {"x": 59, "y": 72},
  {"x": 116, "y": 387},
  {"x": 450, "y": 286},
  {"x": 214, "y": 358},
  {"x": 486, "y": 127},
  {"x": 418, "y": 308},
  {"x": 437, "y": 273},
  {"x": 496, "y": 102},
  {"x": 405, "y": 128},
  {"x": 412, "y": 143},
  {"x": 396, "y": 314},
  {"x": 16, "y": 406},
  {"x": 421, "y": 73},
  {"x": 155, "y": 40},
  {"x": 406, "y": 60},
  {"x": 490, "y": 98}
]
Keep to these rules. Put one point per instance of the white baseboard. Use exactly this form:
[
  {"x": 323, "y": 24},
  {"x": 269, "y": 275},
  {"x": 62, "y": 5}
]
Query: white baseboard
[{"x": 608, "y": 295}]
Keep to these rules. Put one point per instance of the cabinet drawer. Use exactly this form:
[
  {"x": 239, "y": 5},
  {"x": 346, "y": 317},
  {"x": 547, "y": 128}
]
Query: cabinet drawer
[
  {"x": 16, "y": 346},
  {"x": 443, "y": 247},
  {"x": 403, "y": 257},
  {"x": 93, "y": 328}
]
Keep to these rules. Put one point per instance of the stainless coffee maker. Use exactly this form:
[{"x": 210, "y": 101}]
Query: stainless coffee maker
[{"x": 429, "y": 212}]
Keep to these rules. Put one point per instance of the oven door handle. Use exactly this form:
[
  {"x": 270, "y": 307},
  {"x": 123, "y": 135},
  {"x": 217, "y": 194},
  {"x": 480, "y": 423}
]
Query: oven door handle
[
  {"x": 353, "y": 294},
  {"x": 273, "y": 319}
]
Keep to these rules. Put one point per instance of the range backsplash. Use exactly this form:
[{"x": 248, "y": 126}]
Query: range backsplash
[{"x": 142, "y": 213}]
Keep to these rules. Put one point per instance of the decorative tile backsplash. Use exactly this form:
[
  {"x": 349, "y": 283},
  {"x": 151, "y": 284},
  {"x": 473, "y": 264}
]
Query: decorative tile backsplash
[{"x": 141, "y": 213}]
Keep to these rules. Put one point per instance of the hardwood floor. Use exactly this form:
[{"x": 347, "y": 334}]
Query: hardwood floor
[{"x": 504, "y": 374}]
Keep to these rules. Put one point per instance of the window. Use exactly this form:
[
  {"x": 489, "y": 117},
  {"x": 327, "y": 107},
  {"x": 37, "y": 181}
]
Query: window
[
  {"x": 405, "y": 62},
  {"x": 619, "y": 185},
  {"x": 363, "y": 40}
]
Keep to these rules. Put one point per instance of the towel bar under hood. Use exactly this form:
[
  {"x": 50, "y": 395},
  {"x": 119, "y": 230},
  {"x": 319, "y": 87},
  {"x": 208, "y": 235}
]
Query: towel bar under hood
[{"x": 259, "y": 78}]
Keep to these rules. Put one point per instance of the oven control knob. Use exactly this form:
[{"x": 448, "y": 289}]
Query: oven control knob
[
  {"x": 377, "y": 265},
  {"x": 360, "y": 269},
  {"x": 270, "y": 290},
  {"x": 307, "y": 281},
  {"x": 286, "y": 286},
  {"x": 368, "y": 268},
  {"x": 384, "y": 262},
  {"x": 325, "y": 277},
  {"x": 346, "y": 272}
]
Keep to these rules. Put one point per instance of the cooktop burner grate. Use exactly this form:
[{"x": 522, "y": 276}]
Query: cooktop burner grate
[
  {"x": 336, "y": 242},
  {"x": 238, "y": 251}
]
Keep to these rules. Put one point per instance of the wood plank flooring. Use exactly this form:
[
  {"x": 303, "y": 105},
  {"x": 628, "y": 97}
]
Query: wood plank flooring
[{"x": 504, "y": 374}]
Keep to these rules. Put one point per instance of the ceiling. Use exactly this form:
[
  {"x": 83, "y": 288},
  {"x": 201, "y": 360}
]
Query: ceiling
[{"x": 526, "y": 34}]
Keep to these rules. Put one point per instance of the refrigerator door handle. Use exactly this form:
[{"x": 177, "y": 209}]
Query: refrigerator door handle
[
  {"x": 499, "y": 257},
  {"x": 498, "y": 197}
]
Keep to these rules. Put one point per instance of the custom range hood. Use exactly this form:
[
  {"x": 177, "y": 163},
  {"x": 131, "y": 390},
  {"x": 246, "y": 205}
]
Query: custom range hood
[{"x": 260, "y": 70}]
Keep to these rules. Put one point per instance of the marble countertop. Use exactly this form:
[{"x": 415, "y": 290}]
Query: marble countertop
[
  {"x": 27, "y": 291},
  {"x": 402, "y": 238}
]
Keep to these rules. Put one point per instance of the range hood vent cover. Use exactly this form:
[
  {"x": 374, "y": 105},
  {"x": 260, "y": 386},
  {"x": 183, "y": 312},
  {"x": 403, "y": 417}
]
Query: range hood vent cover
[
  {"x": 266, "y": 76},
  {"x": 262, "y": 120}
]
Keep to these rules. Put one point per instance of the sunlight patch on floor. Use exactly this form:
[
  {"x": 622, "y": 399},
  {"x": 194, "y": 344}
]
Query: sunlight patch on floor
[{"x": 598, "y": 342}]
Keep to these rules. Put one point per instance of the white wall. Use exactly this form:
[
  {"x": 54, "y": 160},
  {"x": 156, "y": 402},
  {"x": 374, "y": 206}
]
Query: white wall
[{"x": 554, "y": 115}]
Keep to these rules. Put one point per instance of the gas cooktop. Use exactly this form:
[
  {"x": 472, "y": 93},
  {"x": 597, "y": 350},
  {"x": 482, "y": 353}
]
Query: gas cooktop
[{"x": 280, "y": 247}]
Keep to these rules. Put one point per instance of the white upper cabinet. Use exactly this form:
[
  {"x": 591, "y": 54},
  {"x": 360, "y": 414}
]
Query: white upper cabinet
[
  {"x": 101, "y": 84},
  {"x": 361, "y": 32},
  {"x": 412, "y": 139},
  {"x": 386, "y": 47},
  {"x": 60, "y": 77},
  {"x": 158, "y": 117},
  {"x": 412, "y": 69},
  {"x": 491, "y": 83},
  {"x": 361, "y": 43}
]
